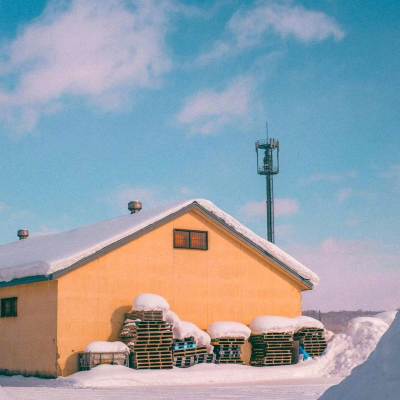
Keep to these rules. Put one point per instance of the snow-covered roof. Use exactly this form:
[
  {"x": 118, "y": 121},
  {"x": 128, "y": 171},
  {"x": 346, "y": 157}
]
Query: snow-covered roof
[{"x": 51, "y": 254}]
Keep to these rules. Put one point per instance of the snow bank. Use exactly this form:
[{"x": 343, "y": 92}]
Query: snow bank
[
  {"x": 171, "y": 318},
  {"x": 378, "y": 377},
  {"x": 47, "y": 254},
  {"x": 105, "y": 347},
  {"x": 150, "y": 302},
  {"x": 228, "y": 329},
  {"x": 387, "y": 316},
  {"x": 269, "y": 323},
  {"x": 351, "y": 347},
  {"x": 186, "y": 329}
]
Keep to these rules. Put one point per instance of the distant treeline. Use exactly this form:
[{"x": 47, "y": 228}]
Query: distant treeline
[{"x": 336, "y": 321}]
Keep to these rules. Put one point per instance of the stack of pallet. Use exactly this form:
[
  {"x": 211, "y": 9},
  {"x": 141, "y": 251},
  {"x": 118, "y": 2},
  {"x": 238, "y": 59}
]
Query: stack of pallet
[
  {"x": 149, "y": 338},
  {"x": 228, "y": 350},
  {"x": 274, "y": 348},
  {"x": 312, "y": 340},
  {"x": 186, "y": 353}
]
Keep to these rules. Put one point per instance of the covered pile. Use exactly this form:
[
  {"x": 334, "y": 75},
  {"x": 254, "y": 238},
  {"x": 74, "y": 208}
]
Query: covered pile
[
  {"x": 97, "y": 353},
  {"x": 147, "y": 334},
  {"x": 191, "y": 345},
  {"x": 227, "y": 339}
]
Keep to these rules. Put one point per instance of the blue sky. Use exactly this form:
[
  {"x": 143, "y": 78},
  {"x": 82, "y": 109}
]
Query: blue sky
[{"x": 104, "y": 102}]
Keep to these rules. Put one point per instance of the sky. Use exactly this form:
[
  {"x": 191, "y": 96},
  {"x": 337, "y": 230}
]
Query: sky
[{"x": 106, "y": 102}]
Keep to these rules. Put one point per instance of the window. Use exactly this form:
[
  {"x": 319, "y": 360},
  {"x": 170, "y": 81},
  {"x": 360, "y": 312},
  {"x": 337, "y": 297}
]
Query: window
[
  {"x": 184, "y": 239},
  {"x": 9, "y": 307}
]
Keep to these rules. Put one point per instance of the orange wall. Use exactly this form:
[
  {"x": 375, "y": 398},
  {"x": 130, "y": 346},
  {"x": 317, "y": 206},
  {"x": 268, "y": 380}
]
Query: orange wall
[
  {"x": 227, "y": 282},
  {"x": 28, "y": 342}
]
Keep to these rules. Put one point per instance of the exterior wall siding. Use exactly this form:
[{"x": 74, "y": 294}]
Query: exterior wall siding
[
  {"x": 28, "y": 343},
  {"x": 227, "y": 282}
]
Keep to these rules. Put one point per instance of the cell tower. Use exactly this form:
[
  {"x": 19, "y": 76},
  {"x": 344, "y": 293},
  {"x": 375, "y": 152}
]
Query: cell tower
[{"x": 268, "y": 169}]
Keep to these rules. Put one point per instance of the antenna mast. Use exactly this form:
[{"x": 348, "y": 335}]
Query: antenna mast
[{"x": 267, "y": 168}]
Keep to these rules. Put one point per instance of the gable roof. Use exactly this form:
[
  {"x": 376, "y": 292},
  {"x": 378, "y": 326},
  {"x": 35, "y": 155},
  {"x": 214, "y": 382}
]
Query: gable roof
[{"x": 48, "y": 257}]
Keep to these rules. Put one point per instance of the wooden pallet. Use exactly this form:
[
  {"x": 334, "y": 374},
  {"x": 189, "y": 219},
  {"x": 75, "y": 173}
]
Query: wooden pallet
[
  {"x": 229, "y": 361},
  {"x": 227, "y": 341},
  {"x": 145, "y": 315},
  {"x": 206, "y": 358},
  {"x": 193, "y": 351}
]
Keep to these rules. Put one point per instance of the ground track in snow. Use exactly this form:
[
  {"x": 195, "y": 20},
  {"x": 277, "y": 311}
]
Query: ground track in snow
[{"x": 285, "y": 392}]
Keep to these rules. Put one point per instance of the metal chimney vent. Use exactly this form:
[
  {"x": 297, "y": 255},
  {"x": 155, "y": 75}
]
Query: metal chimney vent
[
  {"x": 134, "y": 206},
  {"x": 23, "y": 233}
]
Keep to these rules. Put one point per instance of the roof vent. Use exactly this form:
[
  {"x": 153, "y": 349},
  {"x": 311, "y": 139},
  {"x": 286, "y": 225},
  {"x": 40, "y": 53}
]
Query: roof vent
[
  {"x": 134, "y": 206},
  {"x": 23, "y": 233}
]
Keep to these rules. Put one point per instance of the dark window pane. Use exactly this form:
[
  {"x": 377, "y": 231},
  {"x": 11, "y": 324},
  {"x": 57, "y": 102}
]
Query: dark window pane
[
  {"x": 198, "y": 240},
  {"x": 9, "y": 307},
  {"x": 181, "y": 239}
]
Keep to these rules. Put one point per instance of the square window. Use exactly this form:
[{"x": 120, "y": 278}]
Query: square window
[
  {"x": 181, "y": 239},
  {"x": 198, "y": 240},
  {"x": 9, "y": 307}
]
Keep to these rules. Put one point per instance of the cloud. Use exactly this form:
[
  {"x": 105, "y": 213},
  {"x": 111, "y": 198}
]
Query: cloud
[
  {"x": 282, "y": 206},
  {"x": 285, "y": 206},
  {"x": 249, "y": 27},
  {"x": 327, "y": 177},
  {"x": 344, "y": 194},
  {"x": 354, "y": 274},
  {"x": 209, "y": 110},
  {"x": 95, "y": 50}
]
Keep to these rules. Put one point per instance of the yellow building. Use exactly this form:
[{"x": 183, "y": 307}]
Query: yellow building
[{"x": 60, "y": 292}]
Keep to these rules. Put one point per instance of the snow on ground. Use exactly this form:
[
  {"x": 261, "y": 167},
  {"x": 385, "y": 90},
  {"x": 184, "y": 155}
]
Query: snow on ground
[
  {"x": 228, "y": 329},
  {"x": 302, "y": 390},
  {"x": 44, "y": 255},
  {"x": 104, "y": 347},
  {"x": 270, "y": 323},
  {"x": 378, "y": 377},
  {"x": 150, "y": 302}
]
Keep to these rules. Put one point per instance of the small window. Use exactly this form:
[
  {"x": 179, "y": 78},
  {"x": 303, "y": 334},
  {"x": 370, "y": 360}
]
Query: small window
[
  {"x": 9, "y": 307},
  {"x": 184, "y": 239}
]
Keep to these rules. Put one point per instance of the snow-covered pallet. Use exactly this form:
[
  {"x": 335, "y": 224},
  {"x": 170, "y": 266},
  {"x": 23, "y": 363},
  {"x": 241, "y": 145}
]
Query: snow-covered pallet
[
  {"x": 312, "y": 340},
  {"x": 271, "y": 349}
]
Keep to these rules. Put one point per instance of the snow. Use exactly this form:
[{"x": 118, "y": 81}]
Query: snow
[
  {"x": 270, "y": 323},
  {"x": 105, "y": 347},
  {"x": 171, "y": 318},
  {"x": 228, "y": 329},
  {"x": 378, "y": 377},
  {"x": 186, "y": 329},
  {"x": 150, "y": 302},
  {"x": 47, "y": 254},
  {"x": 387, "y": 316}
]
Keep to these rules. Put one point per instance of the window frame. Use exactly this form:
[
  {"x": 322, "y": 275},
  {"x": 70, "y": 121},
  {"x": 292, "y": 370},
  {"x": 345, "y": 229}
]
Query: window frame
[
  {"x": 190, "y": 239},
  {"x": 13, "y": 312}
]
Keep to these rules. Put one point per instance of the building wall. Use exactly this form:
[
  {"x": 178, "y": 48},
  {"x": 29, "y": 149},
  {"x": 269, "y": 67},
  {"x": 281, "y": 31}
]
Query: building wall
[
  {"x": 227, "y": 282},
  {"x": 28, "y": 342}
]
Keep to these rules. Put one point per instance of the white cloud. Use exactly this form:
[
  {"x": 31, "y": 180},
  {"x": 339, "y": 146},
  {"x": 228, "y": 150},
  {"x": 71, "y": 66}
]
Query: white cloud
[
  {"x": 344, "y": 194},
  {"x": 285, "y": 206},
  {"x": 354, "y": 274},
  {"x": 327, "y": 177},
  {"x": 209, "y": 110},
  {"x": 248, "y": 27},
  {"x": 96, "y": 50},
  {"x": 282, "y": 206}
]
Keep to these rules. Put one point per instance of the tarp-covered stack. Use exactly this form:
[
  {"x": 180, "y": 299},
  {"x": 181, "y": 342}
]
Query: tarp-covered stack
[
  {"x": 191, "y": 345},
  {"x": 147, "y": 334},
  {"x": 228, "y": 338}
]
